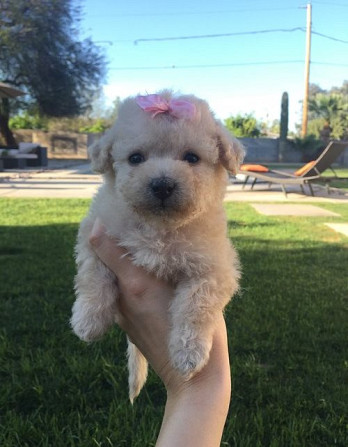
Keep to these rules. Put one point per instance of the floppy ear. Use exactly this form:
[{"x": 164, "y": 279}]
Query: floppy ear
[
  {"x": 231, "y": 151},
  {"x": 100, "y": 153}
]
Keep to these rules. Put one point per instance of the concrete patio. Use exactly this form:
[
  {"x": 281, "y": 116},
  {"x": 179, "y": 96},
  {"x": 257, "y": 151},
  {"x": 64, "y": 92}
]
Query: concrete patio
[{"x": 74, "y": 179}]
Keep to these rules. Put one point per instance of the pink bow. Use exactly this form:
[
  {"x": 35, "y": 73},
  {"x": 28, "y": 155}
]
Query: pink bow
[{"x": 155, "y": 104}]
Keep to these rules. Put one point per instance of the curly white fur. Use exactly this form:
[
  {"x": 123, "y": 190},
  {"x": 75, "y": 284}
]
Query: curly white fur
[{"x": 181, "y": 238}]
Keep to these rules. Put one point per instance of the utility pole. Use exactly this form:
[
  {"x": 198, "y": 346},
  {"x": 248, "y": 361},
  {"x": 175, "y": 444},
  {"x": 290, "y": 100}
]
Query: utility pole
[{"x": 307, "y": 67}]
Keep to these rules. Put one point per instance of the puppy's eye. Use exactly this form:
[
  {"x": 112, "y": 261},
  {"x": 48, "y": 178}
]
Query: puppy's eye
[
  {"x": 136, "y": 159},
  {"x": 191, "y": 158}
]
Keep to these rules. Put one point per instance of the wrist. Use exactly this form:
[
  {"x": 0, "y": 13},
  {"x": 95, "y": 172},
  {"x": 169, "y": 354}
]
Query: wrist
[
  {"x": 207, "y": 384},
  {"x": 196, "y": 411}
]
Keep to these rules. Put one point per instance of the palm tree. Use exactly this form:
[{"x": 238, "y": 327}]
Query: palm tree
[{"x": 325, "y": 106}]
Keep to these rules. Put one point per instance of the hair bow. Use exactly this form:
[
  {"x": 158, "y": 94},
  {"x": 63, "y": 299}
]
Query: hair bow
[{"x": 155, "y": 105}]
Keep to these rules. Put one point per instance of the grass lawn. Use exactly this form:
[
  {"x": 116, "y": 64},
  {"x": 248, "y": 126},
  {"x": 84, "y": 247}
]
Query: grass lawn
[{"x": 288, "y": 337}]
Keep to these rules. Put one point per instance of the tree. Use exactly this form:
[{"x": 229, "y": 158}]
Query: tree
[
  {"x": 41, "y": 53},
  {"x": 5, "y": 130},
  {"x": 314, "y": 89},
  {"x": 325, "y": 106},
  {"x": 284, "y": 124},
  {"x": 329, "y": 108},
  {"x": 341, "y": 90},
  {"x": 243, "y": 126}
]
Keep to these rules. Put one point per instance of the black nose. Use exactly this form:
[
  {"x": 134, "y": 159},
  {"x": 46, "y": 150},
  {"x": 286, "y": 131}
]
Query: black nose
[{"x": 162, "y": 187}]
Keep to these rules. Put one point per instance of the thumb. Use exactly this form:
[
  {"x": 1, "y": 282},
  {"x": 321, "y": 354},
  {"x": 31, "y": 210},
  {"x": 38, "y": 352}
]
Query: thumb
[
  {"x": 106, "y": 247},
  {"x": 113, "y": 256}
]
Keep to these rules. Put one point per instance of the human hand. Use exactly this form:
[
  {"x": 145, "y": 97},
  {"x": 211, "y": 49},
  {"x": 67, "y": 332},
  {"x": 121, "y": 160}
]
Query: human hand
[
  {"x": 143, "y": 303},
  {"x": 143, "y": 315}
]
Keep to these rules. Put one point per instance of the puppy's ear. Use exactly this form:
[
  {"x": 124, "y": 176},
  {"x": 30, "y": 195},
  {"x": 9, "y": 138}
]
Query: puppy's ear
[
  {"x": 100, "y": 153},
  {"x": 231, "y": 151}
]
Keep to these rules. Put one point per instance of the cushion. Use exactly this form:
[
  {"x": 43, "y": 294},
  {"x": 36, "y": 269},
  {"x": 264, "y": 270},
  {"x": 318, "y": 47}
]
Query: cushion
[
  {"x": 305, "y": 168},
  {"x": 254, "y": 168},
  {"x": 8, "y": 152},
  {"x": 26, "y": 148}
]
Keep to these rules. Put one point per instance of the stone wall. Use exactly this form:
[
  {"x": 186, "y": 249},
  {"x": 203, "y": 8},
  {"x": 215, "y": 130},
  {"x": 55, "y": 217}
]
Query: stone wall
[
  {"x": 59, "y": 144},
  {"x": 74, "y": 145},
  {"x": 261, "y": 150},
  {"x": 266, "y": 150}
]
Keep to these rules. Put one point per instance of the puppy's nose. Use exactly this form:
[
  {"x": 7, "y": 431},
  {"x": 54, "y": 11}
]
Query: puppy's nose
[{"x": 162, "y": 187}]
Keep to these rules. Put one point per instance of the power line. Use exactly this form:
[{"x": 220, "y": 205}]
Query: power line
[
  {"x": 332, "y": 64},
  {"x": 208, "y": 36},
  {"x": 184, "y": 13},
  {"x": 330, "y": 3},
  {"x": 180, "y": 67},
  {"x": 242, "y": 33},
  {"x": 329, "y": 37},
  {"x": 235, "y": 64}
]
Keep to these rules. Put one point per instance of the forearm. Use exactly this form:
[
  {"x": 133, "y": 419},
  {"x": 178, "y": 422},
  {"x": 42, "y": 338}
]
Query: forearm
[
  {"x": 196, "y": 411},
  {"x": 196, "y": 417}
]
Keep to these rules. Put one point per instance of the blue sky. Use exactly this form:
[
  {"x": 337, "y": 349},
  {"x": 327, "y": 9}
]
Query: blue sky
[{"x": 244, "y": 73}]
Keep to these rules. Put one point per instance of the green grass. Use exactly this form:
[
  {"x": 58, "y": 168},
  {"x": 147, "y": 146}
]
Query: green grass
[{"x": 287, "y": 333}]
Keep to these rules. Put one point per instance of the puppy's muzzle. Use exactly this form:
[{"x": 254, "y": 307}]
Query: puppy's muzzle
[{"x": 162, "y": 187}]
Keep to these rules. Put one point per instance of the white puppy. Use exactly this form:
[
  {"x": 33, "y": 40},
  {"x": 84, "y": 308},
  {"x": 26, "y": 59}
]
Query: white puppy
[{"x": 165, "y": 165}]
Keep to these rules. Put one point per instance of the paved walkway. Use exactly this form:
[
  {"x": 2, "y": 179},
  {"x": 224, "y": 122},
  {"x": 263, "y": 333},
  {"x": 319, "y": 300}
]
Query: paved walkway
[
  {"x": 339, "y": 227},
  {"x": 74, "y": 179},
  {"x": 293, "y": 210},
  {"x": 62, "y": 179},
  {"x": 262, "y": 193}
]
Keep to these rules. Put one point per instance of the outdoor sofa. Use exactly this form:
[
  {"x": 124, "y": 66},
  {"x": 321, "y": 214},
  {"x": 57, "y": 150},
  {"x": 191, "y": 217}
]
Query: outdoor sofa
[{"x": 27, "y": 155}]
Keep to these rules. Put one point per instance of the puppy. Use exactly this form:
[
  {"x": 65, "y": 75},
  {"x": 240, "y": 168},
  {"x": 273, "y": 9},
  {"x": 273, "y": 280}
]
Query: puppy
[{"x": 164, "y": 164}]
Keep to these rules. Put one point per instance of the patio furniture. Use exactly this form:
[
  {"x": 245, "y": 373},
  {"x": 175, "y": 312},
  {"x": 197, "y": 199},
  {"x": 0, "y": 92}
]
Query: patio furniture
[
  {"x": 309, "y": 173},
  {"x": 27, "y": 155}
]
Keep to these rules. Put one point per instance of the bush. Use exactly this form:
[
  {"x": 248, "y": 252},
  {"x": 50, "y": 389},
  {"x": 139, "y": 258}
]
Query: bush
[
  {"x": 76, "y": 124},
  {"x": 310, "y": 147},
  {"x": 28, "y": 121},
  {"x": 243, "y": 126},
  {"x": 315, "y": 126},
  {"x": 98, "y": 126}
]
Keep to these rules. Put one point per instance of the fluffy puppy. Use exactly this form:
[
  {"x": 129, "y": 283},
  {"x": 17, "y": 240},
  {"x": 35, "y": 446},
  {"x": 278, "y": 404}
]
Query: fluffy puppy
[{"x": 164, "y": 164}]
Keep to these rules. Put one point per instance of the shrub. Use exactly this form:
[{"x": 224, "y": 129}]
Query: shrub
[
  {"x": 98, "y": 126},
  {"x": 243, "y": 126},
  {"x": 28, "y": 121},
  {"x": 310, "y": 147}
]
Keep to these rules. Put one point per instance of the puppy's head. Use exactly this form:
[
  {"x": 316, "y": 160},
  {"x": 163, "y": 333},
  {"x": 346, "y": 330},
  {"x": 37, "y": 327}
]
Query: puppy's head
[{"x": 170, "y": 157}]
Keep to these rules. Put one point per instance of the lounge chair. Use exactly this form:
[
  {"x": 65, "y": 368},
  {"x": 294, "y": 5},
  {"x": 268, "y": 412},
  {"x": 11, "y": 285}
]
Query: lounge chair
[{"x": 309, "y": 173}]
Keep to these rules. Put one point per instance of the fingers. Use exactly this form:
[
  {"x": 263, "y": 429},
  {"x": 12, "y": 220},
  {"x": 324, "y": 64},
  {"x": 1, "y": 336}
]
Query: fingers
[
  {"x": 106, "y": 248},
  {"x": 108, "y": 251},
  {"x": 135, "y": 278}
]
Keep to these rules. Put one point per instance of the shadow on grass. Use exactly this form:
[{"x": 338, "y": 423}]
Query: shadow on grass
[{"x": 287, "y": 331}]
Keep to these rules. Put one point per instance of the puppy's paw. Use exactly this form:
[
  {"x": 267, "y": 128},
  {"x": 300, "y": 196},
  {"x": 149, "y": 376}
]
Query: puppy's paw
[
  {"x": 189, "y": 356},
  {"x": 90, "y": 323}
]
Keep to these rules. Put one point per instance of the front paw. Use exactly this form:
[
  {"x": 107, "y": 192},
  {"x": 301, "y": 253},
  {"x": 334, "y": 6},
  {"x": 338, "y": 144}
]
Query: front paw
[
  {"x": 189, "y": 356},
  {"x": 90, "y": 323}
]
